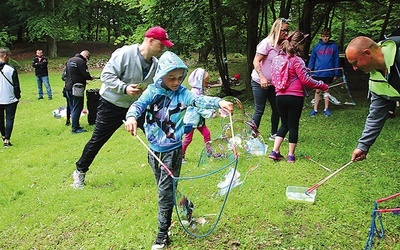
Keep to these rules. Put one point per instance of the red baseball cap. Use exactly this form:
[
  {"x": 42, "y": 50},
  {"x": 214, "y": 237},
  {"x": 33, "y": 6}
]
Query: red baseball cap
[{"x": 160, "y": 34}]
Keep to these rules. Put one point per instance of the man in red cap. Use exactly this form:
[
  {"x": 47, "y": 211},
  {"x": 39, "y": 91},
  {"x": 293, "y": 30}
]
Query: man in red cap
[{"x": 124, "y": 78}]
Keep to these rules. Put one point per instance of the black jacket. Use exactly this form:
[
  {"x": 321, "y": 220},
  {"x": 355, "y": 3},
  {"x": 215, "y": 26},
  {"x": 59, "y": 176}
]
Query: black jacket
[
  {"x": 77, "y": 71},
  {"x": 40, "y": 67}
]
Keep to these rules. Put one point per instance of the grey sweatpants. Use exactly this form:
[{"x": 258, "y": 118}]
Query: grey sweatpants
[{"x": 173, "y": 160}]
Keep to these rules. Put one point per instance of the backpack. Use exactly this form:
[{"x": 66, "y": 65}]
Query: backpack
[
  {"x": 280, "y": 72},
  {"x": 394, "y": 77},
  {"x": 64, "y": 74}
]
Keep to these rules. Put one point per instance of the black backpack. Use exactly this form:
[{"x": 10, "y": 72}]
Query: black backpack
[{"x": 394, "y": 76}]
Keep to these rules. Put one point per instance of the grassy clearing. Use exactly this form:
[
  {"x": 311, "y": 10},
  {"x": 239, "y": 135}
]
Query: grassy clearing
[{"x": 118, "y": 207}]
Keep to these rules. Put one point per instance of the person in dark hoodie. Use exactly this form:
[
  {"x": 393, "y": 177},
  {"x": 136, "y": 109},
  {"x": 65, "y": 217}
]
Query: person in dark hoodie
[
  {"x": 77, "y": 72},
  {"x": 324, "y": 56},
  {"x": 160, "y": 102},
  {"x": 9, "y": 96}
]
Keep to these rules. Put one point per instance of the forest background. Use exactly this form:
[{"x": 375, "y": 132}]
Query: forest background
[{"x": 211, "y": 28}]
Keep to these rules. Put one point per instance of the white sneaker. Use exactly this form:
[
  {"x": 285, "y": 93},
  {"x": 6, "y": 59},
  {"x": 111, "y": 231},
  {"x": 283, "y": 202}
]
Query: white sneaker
[
  {"x": 161, "y": 241},
  {"x": 79, "y": 179}
]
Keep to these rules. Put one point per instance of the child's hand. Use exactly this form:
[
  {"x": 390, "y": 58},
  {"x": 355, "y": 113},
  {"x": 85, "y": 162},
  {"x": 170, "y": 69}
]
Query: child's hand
[
  {"x": 226, "y": 106},
  {"x": 131, "y": 125}
]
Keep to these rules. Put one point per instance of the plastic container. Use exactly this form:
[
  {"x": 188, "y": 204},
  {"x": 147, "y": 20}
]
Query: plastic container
[{"x": 299, "y": 194}]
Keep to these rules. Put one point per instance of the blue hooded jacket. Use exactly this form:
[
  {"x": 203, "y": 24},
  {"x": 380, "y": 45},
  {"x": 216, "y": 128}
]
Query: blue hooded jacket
[
  {"x": 324, "y": 56},
  {"x": 165, "y": 108}
]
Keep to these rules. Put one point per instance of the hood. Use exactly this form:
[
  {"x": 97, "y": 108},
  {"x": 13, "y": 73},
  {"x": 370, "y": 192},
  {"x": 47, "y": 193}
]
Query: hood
[
  {"x": 168, "y": 61},
  {"x": 328, "y": 43},
  {"x": 196, "y": 78}
]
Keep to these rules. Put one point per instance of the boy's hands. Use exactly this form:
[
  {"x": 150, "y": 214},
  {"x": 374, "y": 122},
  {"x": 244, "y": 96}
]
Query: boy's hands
[
  {"x": 226, "y": 106},
  {"x": 131, "y": 125}
]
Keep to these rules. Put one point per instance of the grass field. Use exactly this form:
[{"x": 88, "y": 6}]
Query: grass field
[{"x": 118, "y": 207}]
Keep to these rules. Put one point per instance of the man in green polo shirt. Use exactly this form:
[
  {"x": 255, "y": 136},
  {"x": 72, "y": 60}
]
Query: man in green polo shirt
[{"x": 378, "y": 59}]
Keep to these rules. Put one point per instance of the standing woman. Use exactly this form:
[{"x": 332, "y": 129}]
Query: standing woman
[
  {"x": 9, "y": 95},
  {"x": 261, "y": 85},
  {"x": 291, "y": 99}
]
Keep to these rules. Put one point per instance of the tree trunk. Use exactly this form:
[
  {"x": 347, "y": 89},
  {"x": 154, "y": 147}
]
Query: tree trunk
[
  {"x": 204, "y": 52},
  {"x": 253, "y": 11},
  {"x": 51, "y": 47}
]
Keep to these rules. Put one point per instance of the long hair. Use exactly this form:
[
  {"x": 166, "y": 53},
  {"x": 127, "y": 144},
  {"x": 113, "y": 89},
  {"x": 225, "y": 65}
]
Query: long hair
[
  {"x": 291, "y": 45},
  {"x": 273, "y": 35}
]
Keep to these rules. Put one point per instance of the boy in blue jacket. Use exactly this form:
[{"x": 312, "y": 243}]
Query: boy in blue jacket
[
  {"x": 164, "y": 103},
  {"x": 324, "y": 56}
]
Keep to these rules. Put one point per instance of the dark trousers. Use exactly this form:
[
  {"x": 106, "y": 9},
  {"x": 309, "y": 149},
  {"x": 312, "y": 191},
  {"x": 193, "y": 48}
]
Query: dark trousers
[
  {"x": 108, "y": 119},
  {"x": 289, "y": 108},
  {"x": 7, "y": 125},
  {"x": 260, "y": 99},
  {"x": 76, "y": 106}
]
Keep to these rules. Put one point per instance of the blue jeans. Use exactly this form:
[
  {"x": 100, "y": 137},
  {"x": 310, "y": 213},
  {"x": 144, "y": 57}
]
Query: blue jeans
[
  {"x": 76, "y": 105},
  {"x": 45, "y": 81},
  {"x": 260, "y": 99},
  {"x": 6, "y": 126}
]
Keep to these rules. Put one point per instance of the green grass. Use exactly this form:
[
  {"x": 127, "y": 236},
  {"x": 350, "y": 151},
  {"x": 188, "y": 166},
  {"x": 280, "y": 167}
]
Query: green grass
[{"x": 118, "y": 207}]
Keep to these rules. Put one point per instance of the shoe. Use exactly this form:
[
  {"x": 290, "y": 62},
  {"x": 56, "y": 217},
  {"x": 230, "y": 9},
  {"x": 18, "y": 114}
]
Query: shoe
[
  {"x": 50, "y": 98},
  {"x": 79, "y": 130},
  {"x": 272, "y": 138},
  {"x": 183, "y": 160},
  {"x": 39, "y": 98},
  {"x": 313, "y": 113},
  {"x": 327, "y": 112},
  {"x": 161, "y": 241},
  {"x": 209, "y": 149},
  {"x": 254, "y": 129},
  {"x": 79, "y": 179},
  {"x": 275, "y": 156},
  {"x": 7, "y": 144},
  {"x": 291, "y": 158},
  {"x": 67, "y": 123}
]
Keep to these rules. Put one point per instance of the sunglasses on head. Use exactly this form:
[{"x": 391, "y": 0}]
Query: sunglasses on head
[{"x": 284, "y": 20}]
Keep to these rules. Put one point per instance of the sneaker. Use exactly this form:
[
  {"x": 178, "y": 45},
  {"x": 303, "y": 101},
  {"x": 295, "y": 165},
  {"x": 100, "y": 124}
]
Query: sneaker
[
  {"x": 327, "y": 112},
  {"x": 161, "y": 241},
  {"x": 79, "y": 179},
  {"x": 79, "y": 130},
  {"x": 209, "y": 149},
  {"x": 272, "y": 138},
  {"x": 275, "y": 156},
  {"x": 291, "y": 158},
  {"x": 253, "y": 127},
  {"x": 313, "y": 113}
]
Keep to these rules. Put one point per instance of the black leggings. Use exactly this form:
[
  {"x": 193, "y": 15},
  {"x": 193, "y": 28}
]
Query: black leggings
[{"x": 289, "y": 108}]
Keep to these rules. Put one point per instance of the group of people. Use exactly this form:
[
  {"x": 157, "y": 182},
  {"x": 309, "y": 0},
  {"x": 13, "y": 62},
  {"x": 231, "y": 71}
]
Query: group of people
[
  {"x": 287, "y": 104},
  {"x": 148, "y": 94}
]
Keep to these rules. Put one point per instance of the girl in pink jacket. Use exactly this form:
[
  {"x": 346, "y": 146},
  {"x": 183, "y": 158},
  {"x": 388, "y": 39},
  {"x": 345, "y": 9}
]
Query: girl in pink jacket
[{"x": 290, "y": 100}]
